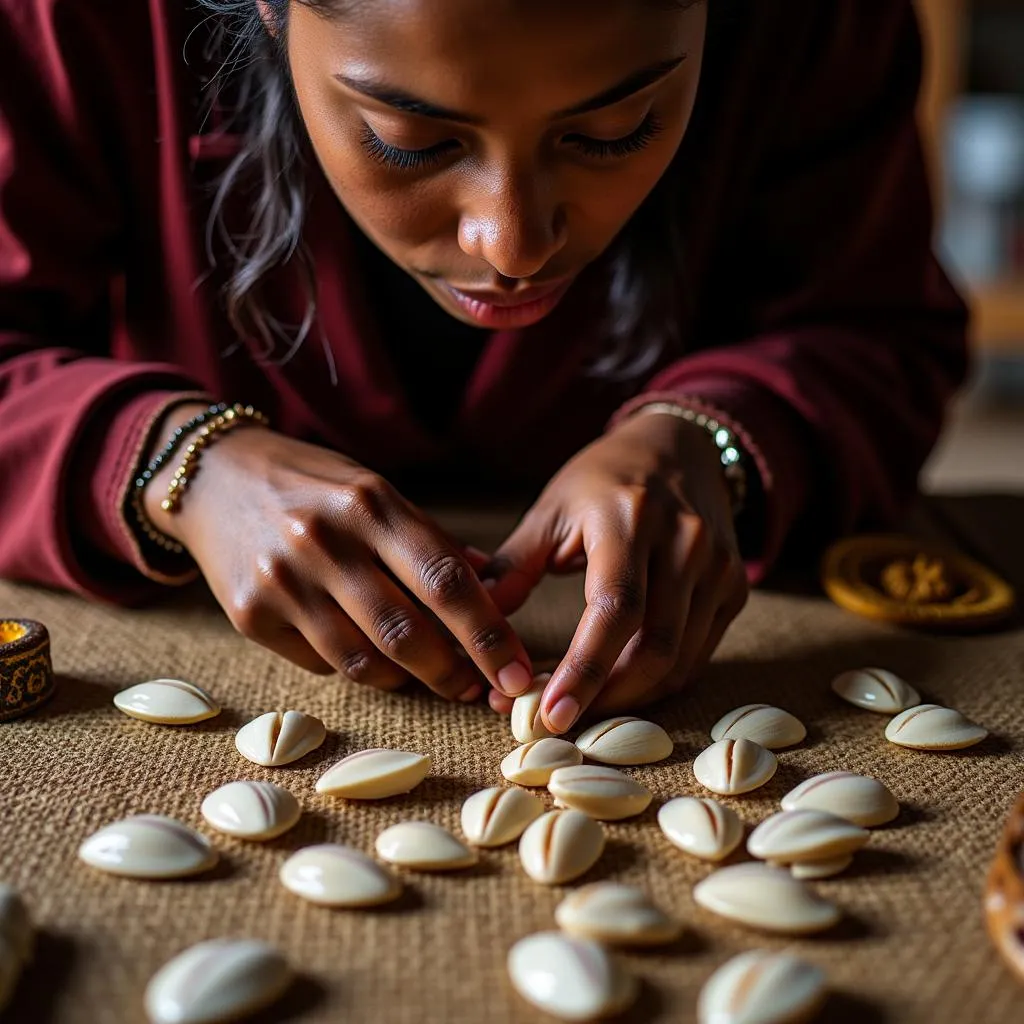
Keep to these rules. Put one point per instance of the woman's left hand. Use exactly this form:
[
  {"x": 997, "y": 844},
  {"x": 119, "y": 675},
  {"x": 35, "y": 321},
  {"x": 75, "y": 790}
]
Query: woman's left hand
[{"x": 646, "y": 510}]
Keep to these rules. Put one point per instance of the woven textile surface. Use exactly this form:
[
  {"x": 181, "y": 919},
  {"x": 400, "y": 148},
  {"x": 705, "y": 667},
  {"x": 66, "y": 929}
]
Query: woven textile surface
[{"x": 911, "y": 948}]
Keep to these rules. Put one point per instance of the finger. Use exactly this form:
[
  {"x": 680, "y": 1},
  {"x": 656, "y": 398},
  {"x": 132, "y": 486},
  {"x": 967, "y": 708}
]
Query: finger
[
  {"x": 341, "y": 643},
  {"x": 287, "y": 642},
  {"x": 723, "y": 620},
  {"x": 520, "y": 562},
  {"x": 618, "y": 551},
  {"x": 653, "y": 651},
  {"x": 499, "y": 702},
  {"x": 424, "y": 561},
  {"x": 387, "y": 616}
]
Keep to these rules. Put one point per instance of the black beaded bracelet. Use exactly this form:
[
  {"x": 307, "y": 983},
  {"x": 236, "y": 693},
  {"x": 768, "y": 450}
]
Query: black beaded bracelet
[{"x": 177, "y": 439}]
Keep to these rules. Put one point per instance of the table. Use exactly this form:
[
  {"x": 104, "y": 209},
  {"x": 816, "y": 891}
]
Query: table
[{"x": 911, "y": 949}]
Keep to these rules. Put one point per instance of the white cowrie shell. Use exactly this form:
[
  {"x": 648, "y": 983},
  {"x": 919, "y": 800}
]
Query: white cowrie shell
[
  {"x": 338, "y": 876},
  {"x": 604, "y": 793},
  {"x": 526, "y": 720},
  {"x": 731, "y": 767},
  {"x": 761, "y": 988},
  {"x": 374, "y": 774},
  {"x": 15, "y": 941},
  {"x": 251, "y": 810},
  {"x": 765, "y": 897},
  {"x": 423, "y": 846},
  {"x": 167, "y": 702},
  {"x": 570, "y": 978},
  {"x": 791, "y": 836},
  {"x": 813, "y": 870},
  {"x": 560, "y": 846},
  {"x": 219, "y": 980},
  {"x": 148, "y": 846},
  {"x": 496, "y": 816},
  {"x": 616, "y": 914},
  {"x": 933, "y": 727},
  {"x": 275, "y": 739},
  {"x": 761, "y": 723},
  {"x": 625, "y": 740},
  {"x": 533, "y": 762},
  {"x": 858, "y": 798},
  {"x": 875, "y": 689},
  {"x": 702, "y": 827}
]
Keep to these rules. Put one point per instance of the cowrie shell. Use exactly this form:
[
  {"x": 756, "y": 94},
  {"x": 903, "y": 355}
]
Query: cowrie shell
[
  {"x": 932, "y": 727},
  {"x": 702, "y": 827},
  {"x": 625, "y": 740},
  {"x": 219, "y": 980},
  {"x": 732, "y": 767},
  {"x": 251, "y": 810},
  {"x": 858, "y": 798},
  {"x": 277, "y": 738},
  {"x": 374, "y": 774},
  {"x": 533, "y": 762},
  {"x": 761, "y": 723},
  {"x": 875, "y": 689},
  {"x": 615, "y": 914},
  {"x": 570, "y": 978},
  {"x": 167, "y": 702},
  {"x": 807, "y": 835},
  {"x": 604, "y": 793},
  {"x": 496, "y": 816},
  {"x": 761, "y": 988},
  {"x": 526, "y": 721},
  {"x": 560, "y": 846},
  {"x": 148, "y": 846},
  {"x": 765, "y": 897},
  {"x": 338, "y": 876},
  {"x": 423, "y": 846}
]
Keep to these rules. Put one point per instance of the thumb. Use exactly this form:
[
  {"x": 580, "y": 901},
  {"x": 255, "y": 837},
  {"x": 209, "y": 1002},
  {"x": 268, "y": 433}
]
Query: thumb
[{"x": 519, "y": 563}]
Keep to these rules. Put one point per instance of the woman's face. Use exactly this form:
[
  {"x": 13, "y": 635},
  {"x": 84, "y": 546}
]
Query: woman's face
[{"x": 493, "y": 149}]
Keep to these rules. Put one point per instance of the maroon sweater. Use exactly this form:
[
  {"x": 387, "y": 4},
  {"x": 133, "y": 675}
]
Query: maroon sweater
[{"x": 812, "y": 315}]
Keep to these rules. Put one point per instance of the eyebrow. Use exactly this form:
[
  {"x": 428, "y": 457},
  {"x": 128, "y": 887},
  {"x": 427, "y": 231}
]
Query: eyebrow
[{"x": 403, "y": 101}]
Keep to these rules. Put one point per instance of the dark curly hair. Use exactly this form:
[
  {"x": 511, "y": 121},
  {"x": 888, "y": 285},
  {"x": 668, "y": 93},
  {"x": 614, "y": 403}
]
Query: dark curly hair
[{"x": 252, "y": 81}]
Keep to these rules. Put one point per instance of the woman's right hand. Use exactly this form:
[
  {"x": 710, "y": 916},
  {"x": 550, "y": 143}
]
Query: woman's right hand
[{"x": 321, "y": 560}]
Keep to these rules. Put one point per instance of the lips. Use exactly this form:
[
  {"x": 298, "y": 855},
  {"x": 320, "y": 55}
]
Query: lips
[{"x": 510, "y": 309}]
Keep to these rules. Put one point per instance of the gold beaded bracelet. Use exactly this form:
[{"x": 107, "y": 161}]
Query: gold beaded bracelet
[
  {"x": 219, "y": 417},
  {"x": 236, "y": 416}
]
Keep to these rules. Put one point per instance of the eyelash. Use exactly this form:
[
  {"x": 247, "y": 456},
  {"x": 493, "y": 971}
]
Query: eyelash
[{"x": 417, "y": 159}]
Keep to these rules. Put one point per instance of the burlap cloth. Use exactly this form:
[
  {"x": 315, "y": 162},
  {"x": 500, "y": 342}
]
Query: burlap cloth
[{"x": 911, "y": 949}]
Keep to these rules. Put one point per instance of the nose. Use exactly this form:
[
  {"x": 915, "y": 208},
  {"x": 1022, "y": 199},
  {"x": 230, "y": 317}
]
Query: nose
[{"x": 514, "y": 225}]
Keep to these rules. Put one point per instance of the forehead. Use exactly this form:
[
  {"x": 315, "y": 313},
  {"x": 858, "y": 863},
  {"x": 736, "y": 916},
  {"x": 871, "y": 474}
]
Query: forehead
[{"x": 545, "y": 54}]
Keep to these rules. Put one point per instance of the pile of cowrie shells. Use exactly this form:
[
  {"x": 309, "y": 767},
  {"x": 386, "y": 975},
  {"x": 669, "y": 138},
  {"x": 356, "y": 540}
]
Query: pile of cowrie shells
[{"x": 568, "y": 973}]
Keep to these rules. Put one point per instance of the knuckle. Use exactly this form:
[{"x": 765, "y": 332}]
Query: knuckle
[
  {"x": 659, "y": 644},
  {"x": 366, "y": 496},
  {"x": 445, "y": 578},
  {"x": 486, "y": 640},
  {"x": 245, "y": 613},
  {"x": 621, "y": 601},
  {"x": 395, "y": 629},
  {"x": 307, "y": 531},
  {"x": 357, "y": 664},
  {"x": 587, "y": 670}
]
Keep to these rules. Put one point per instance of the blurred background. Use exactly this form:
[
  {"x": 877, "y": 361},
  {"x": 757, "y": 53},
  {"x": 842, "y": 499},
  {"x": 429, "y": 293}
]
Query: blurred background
[{"x": 972, "y": 120}]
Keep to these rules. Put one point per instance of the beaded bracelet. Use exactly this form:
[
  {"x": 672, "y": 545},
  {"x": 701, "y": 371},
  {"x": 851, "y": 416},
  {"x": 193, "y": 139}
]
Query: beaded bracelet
[
  {"x": 236, "y": 416},
  {"x": 730, "y": 451},
  {"x": 216, "y": 419}
]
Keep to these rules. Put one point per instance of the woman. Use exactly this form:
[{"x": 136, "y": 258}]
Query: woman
[{"x": 446, "y": 247}]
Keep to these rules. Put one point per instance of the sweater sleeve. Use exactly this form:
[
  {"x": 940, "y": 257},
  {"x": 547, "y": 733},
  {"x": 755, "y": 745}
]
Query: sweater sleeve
[
  {"x": 844, "y": 339},
  {"x": 73, "y": 420}
]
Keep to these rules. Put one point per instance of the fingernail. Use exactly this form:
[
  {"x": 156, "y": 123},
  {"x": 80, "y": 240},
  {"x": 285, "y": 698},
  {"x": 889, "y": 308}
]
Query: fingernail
[
  {"x": 490, "y": 583},
  {"x": 471, "y": 693},
  {"x": 564, "y": 713},
  {"x": 514, "y": 679}
]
